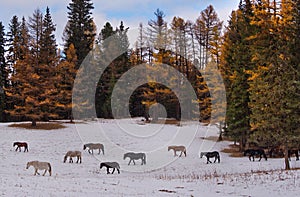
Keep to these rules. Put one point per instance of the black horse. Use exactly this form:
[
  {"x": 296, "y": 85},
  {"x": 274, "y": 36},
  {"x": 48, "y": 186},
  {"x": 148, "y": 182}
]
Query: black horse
[
  {"x": 208, "y": 155},
  {"x": 254, "y": 152},
  {"x": 293, "y": 151},
  {"x": 21, "y": 144},
  {"x": 108, "y": 165}
]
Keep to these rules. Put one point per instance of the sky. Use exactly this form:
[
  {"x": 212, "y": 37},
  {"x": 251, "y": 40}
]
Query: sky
[{"x": 131, "y": 12}]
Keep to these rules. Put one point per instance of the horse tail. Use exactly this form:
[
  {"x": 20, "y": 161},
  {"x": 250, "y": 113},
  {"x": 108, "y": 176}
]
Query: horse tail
[
  {"x": 144, "y": 158},
  {"x": 103, "y": 149},
  {"x": 184, "y": 150},
  {"x": 218, "y": 155},
  {"x": 118, "y": 166},
  {"x": 49, "y": 165}
]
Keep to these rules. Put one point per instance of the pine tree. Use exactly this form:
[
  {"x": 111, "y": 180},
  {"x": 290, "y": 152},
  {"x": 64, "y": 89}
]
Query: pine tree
[
  {"x": 48, "y": 42},
  {"x": 35, "y": 26},
  {"x": 236, "y": 62},
  {"x": 80, "y": 29},
  {"x": 3, "y": 73},
  {"x": 13, "y": 42}
]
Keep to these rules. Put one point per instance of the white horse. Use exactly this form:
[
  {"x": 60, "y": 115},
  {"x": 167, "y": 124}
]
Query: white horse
[{"x": 39, "y": 166}]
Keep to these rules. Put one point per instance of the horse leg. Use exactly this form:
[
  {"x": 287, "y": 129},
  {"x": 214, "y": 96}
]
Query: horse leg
[
  {"x": 215, "y": 159},
  {"x": 180, "y": 154},
  {"x": 175, "y": 153},
  {"x": 17, "y": 148},
  {"x": 118, "y": 170},
  {"x": 133, "y": 162},
  {"x": 107, "y": 170},
  {"x": 44, "y": 172},
  {"x": 99, "y": 151},
  {"x": 129, "y": 161},
  {"x": 259, "y": 157},
  {"x": 113, "y": 170}
]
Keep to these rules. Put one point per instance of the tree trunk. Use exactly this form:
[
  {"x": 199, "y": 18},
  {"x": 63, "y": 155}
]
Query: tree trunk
[
  {"x": 220, "y": 130},
  {"x": 33, "y": 123},
  {"x": 286, "y": 158}
]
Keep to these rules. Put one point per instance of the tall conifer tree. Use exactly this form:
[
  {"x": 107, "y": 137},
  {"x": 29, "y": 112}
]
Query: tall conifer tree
[{"x": 81, "y": 29}]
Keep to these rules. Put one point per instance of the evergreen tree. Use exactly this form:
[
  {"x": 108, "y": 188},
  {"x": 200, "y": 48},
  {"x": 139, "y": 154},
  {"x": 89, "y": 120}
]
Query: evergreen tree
[
  {"x": 3, "y": 73},
  {"x": 80, "y": 29},
  {"x": 48, "y": 42},
  {"x": 35, "y": 26},
  {"x": 13, "y": 42},
  {"x": 236, "y": 62}
]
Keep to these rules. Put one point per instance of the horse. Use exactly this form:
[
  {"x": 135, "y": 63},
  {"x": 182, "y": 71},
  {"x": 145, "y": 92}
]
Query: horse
[
  {"x": 38, "y": 165},
  {"x": 108, "y": 165},
  {"x": 92, "y": 146},
  {"x": 177, "y": 148},
  {"x": 293, "y": 151},
  {"x": 71, "y": 154},
  {"x": 135, "y": 156},
  {"x": 253, "y": 152},
  {"x": 208, "y": 155},
  {"x": 21, "y": 144}
]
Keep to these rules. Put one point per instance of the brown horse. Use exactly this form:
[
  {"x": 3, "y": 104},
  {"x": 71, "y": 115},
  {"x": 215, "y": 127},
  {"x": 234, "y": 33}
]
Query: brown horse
[
  {"x": 177, "y": 148},
  {"x": 71, "y": 154},
  {"x": 21, "y": 144}
]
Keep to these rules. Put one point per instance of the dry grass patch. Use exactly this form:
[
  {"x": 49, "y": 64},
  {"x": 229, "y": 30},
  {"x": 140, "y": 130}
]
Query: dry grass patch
[{"x": 39, "y": 126}]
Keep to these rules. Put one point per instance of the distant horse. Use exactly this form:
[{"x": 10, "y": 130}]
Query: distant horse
[
  {"x": 92, "y": 146},
  {"x": 39, "y": 166},
  {"x": 21, "y": 144},
  {"x": 253, "y": 152},
  {"x": 108, "y": 165},
  {"x": 208, "y": 155},
  {"x": 135, "y": 156},
  {"x": 293, "y": 151},
  {"x": 177, "y": 148},
  {"x": 71, "y": 154}
]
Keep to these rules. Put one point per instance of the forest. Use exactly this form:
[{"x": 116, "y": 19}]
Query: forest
[{"x": 257, "y": 54}]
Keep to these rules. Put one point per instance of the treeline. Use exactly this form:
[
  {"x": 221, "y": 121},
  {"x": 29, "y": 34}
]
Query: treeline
[{"x": 37, "y": 78}]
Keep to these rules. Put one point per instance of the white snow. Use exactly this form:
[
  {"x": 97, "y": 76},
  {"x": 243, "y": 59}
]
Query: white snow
[{"x": 185, "y": 176}]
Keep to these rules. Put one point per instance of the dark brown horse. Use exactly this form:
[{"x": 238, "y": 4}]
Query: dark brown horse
[
  {"x": 253, "y": 152},
  {"x": 21, "y": 144}
]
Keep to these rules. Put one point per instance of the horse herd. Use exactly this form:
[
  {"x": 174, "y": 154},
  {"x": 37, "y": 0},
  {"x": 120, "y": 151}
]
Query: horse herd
[{"x": 131, "y": 155}]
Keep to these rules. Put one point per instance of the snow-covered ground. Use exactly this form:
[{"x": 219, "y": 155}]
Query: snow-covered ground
[{"x": 161, "y": 176}]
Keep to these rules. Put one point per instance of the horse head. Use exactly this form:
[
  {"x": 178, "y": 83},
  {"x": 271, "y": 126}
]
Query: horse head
[
  {"x": 84, "y": 147},
  {"x": 125, "y": 155},
  {"x": 169, "y": 148},
  {"x": 101, "y": 165},
  {"x": 28, "y": 164},
  {"x": 15, "y": 143}
]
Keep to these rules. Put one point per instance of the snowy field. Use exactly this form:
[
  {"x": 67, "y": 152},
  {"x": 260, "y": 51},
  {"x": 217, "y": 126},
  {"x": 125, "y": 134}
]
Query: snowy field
[{"x": 185, "y": 176}]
